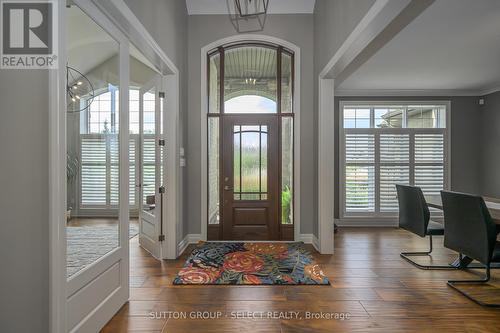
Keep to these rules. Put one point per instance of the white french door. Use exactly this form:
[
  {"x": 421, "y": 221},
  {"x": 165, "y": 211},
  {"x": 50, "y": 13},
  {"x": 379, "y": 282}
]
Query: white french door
[
  {"x": 151, "y": 187},
  {"x": 97, "y": 253}
]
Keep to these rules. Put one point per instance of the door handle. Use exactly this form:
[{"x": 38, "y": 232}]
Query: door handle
[{"x": 228, "y": 188}]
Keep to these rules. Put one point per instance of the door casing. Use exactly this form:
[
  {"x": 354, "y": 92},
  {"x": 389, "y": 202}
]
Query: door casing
[{"x": 204, "y": 119}]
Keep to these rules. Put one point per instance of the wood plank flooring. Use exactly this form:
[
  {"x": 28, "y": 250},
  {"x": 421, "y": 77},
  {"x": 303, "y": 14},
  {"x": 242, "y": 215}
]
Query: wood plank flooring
[{"x": 380, "y": 292}]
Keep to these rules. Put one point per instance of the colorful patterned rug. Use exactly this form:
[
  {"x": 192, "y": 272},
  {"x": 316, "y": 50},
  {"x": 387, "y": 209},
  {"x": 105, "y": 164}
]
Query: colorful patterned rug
[{"x": 251, "y": 263}]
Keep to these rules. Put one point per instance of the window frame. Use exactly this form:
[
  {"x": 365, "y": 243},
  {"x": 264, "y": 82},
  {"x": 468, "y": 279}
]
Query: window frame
[
  {"x": 107, "y": 208},
  {"x": 388, "y": 217},
  {"x": 221, "y": 52}
]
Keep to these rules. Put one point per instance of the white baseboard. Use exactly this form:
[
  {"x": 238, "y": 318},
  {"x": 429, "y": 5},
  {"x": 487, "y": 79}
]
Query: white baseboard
[
  {"x": 315, "y": 243},
  {"x": 189, "y": 239},
  {"x": 310, "y": 239},
  {"x": 306, "y": 238},
  {"x": 364, "y": 222}
]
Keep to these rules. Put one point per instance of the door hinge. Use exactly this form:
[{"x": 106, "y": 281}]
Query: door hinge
[
  {"x": 161, "y": 238},
  {"x": 161, "y": 94},
  {"x": 161, "y": 189},
  {"x": 161, "y": 142}
]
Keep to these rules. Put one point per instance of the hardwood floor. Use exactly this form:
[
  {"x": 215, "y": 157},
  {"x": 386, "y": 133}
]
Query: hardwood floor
[{"x": 380, "y": 292}]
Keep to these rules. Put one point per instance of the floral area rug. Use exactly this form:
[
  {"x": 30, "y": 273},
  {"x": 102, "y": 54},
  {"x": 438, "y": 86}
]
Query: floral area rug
[{"x": 251, "y": 264}]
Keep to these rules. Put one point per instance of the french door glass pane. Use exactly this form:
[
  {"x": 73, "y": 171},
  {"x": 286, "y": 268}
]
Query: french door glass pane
[
  {"x": 250, "y": 151},
  {"x": 93, "y": 152},
  {"x": 287, "y": 170},
  {"x": 286, "y": 83},
  {"x": 214, "y": 84},
  {"x": 213, "y": 170}
]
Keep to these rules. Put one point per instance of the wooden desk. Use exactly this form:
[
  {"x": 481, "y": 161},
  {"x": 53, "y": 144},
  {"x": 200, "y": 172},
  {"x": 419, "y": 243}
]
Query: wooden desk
[{"x": 493, "y": 205}]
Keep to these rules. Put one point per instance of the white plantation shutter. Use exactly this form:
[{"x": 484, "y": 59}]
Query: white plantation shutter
[
  {"x": 389, "y": 177},
  {"x": 133, "y": 145},
  {"x": 429, "y": 148},
  {"x": 114, "y": 167},
  {"x": 148, "y": 153},
  {"x": 429, "y": 162},
  {"x": 394, "y": 168},
  {"x": 99, "y": 176},
  {"x": 359, "y": 148},
  {"x": 360, "y": 172},
  {"x": 394, "y": 148},
  {"x": 360, "y": 188},
  {"x": 93, "y": 169},
  {"x": 374, "y": 159}
]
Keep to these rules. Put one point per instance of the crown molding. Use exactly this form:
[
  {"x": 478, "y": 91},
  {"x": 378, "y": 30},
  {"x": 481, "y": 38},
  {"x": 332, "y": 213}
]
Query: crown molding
[
  {"x": 416, "y": 92},
  {"x": 493, "y": 89}
]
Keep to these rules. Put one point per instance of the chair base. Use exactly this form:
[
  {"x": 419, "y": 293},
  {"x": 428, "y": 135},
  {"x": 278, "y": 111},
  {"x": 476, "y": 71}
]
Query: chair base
[
  {"x": 465, "y": 262},
  {"x": 453, "y": 283},
  {"x": 406, "y": 256}
]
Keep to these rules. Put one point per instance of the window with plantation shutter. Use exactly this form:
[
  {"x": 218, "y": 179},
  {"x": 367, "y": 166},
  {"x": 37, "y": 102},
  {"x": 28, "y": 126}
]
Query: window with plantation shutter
[
  {"x": 360, "y": 172},
  {"x": 390, "y": 143},
  {"x": 99, "y": 154},
  {"x": 93, "y": 173}
]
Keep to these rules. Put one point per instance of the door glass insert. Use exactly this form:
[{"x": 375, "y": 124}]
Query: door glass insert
[
  {"x": 93, "y": 150},
  {"x": 148, "y": 152},
  {"x": 250, "y": 145},
  {"x": 287, "y": 170}
]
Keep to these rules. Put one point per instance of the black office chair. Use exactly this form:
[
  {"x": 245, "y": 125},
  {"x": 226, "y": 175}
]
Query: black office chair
[
  {"x": 414, "y": 216},
  {"x": 471, "y": 232}
]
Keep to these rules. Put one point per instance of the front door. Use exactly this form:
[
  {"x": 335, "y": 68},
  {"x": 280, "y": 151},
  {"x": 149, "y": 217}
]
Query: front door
[{"x": 250, "y": 177}]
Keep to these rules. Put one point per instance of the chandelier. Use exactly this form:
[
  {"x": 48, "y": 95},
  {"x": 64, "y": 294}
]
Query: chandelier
[
  {"x": 78, "y": 86},
  {"x": 248, "y": 15},
  {"x": 251, "y": 8}
]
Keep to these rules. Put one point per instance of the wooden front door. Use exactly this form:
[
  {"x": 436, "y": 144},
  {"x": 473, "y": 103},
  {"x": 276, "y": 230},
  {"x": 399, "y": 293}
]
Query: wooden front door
[{"x": 250, "y": 177}]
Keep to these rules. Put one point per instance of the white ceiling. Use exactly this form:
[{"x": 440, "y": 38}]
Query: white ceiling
[
  {"x": 452, "y": 45},
  {"x": 89, "y": 45},
  {"x": 204, "y": 7}
]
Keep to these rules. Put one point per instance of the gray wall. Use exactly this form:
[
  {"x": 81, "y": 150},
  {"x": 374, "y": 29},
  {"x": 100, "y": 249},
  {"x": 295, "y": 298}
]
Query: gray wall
[
  {"x": 167, "y": 22},
  {"x": 489, "y": 146},
  {"x": 334, "y": 21},
  {"x": 465, "y": 133},
  {"x": 297, "y": 29},
  {"x": 24, "y": 201}
]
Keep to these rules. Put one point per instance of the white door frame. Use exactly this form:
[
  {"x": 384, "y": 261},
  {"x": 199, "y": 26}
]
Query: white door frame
[
  {"x": 296, "y": 111},
  {"x": 150, "y": 244},
  {"x": 112, "y": 15}
]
